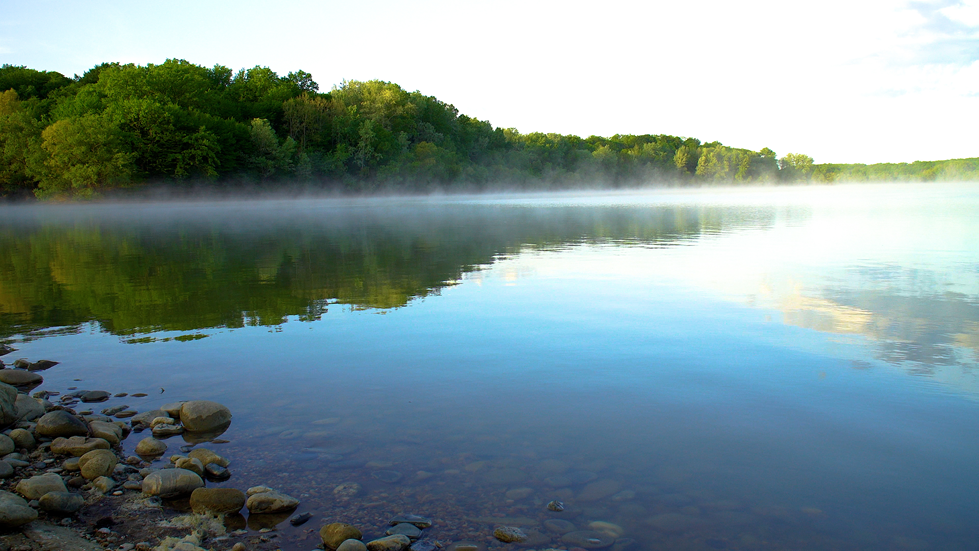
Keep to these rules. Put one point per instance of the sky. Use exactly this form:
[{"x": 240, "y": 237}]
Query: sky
[{"x": 839, "y": 80}]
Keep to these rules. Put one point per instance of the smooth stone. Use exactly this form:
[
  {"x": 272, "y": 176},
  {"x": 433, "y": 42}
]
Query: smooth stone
[
  {"x": 61, "y": 423},
  {"x": 126, "y": 414},
  {"x": 146, "y": 417},
  {"x": 555, "y": 506},
  {"x": 404, "y": 529},
  {"x": 300, "y": 519},
  {"x": 61, "y": 503},
  {"x": 387, "y": 476},
  {"x": 675, "y": 522},
  {"x": 609, "y": 528},
  {"x": 352, "y": 545},
  {"x": 8, "y": 404},
  {"x": 20, "y": 377},
  {"x": 338, "y": 532},
  {"x": 172, "y": 409},
  {"x": 167, "y": 483},
  {"x": 14, "y": 511},
  {"x": 97, "y": 463},
  {"x": 28, "y": 409},
  {"x": 191, "y": 464},
  {"x": 133, "y": 485},
  {"x": 36, "y": 486},
  {"x": 389, "y": 543},
  {"x": 23, "y": 439},
  {"x": 71, "y": 465},
  {"x": 588, "y": 539},
  {"x": 6, "y": 469},
  {"x": 215, "y": 472},
  {"x": 208, "y": 457},
  {"x": 204, "y": 415},
  {"x": 599, "y": 489},
  {"x": 104, "y": 484},
  {"x": 167, "y": 429},
  {"x": 509, "y": 534},
  {"x": 7, "y": 445},
  {"x": 114, "y": 410},
  {"x": 423, "y": 545},
  {"x": 78, "y": 445},
  {"x": 271, "y": 501},
  {"x": 217, "y": 500},
  {"x": 416, "y": 520},
  {"x": 41, "y": 365},
  {"x": 162, "y": 420},
  {"x": 559, "y": 526},
  {"x": 108, "y": 431},
  {"x": 466, "y": 546},
  {"x": 150, "y": 447},
  {"x": 95, "y": 396}
]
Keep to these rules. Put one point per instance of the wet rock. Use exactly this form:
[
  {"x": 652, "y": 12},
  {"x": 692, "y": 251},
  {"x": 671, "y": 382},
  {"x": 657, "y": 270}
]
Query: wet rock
[
  {"x": 23, "y": 439},
  {"x": 208, "y": 457},
  {"x": 20, "y": 378},
  {"x": 77, "y": 445},
  {"x": 352, "y": 545},
  {"x": 71, "y": 465},
  {"x": 114, "y": 410},
  {"x": 609, "y": 528},
  {"x": 126, "y": 414},
  {"x": 509, "y": 534},
  {"x": 336, "y": 533},
  {"x": 167, "y": 483},
  {"x": 300, "y": 519},
  {"x": 36, "y": 486},
  {"x": 103, "y": 484},
  {"x": 14, "y": 511},
  {"x": 97, "y": 463},
  {"x": 61, "y": 503},
  {"x": 6, "y": 445},
  {"x": 145, "y": 418},
  {"x": 8, "y": 404},
  {"x": 172, "y": 409},
  {"x": 6, "y": 349},
  {"x": 95, "y": 396},
  {"x": 166, "y": 429},
  {"x": 269, "y": 501},
  {"x": 389, "y": 543},
  {"x": 404, "y": 529},
  {"x": 28, "y": 409},
  {"x": 204, "y": 415},
  {"x": 215, "y": 472},
  {"x": 108, "y": 431},
  {"x": 423, "y": 545},
  {"x": 555, "y": 506},
  {"x": 387, "y": 476},
  {"x": 150, "y": 447},
  {"x": 191, "y": 464},
  {"x": 559, "y": 526},
  {"x": 466, "y": 546},
  {"x": 415, "y": 520},
  {"x": 217, "y": 500},
  {"x": 61, "y": 423},
  {"x": 41, "y": 365},
  {"x": 6, "y": 469},
  {"x": 588, "y": 539}
]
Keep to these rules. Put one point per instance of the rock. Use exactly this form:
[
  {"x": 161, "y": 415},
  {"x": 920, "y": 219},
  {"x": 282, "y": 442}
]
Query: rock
[
  {"x": 387, "y": 476},
  {"x": 588, "y": 539},
  {"x": 509, "y": 534},
  {"x": 609, "y": 528},
  {"x": 204, "y": 415},
  {"x": 559, "y": 526},
  {"x": 20, "y": 378},
  {"x": 172, "y": 409},
  {"x": 555, "y": 506},
  {"x": 8, "y": 404},
  {"x": 208, "y": 457},
  {"x": 162, "y": 421},
  {"x": 41, "y": 365},
  {"x": 146, "y": 417},
  {"x": 125, "y": 414},
  {"x": 166, "y": 429},
  {"x": 36, "y": 486},
  {"x": 300, "y": 519},
  {"x": 167, "y": 483},
  {"x": 6, "y": 469},
  {"x": 21, "y": 363},
  {"x": 150, "y": 447},
  {"x": 6, "y": 349},
  {"x": 114, "y": 410},
  {"x": 599, "y": 489},
  {"x": 415, "y": 520},
  {"x": 97, "y": 463},
  {"x": 215, "y": 472},
  {"x": 466, "y": 546},
  {"x": 61, "y": 503},
  {"x": 28, "y": 409},
  {"x": 61, "y": 423},
  {"x": 104, "y": 484},
  {"x": 347, "y": 490},
  {"x": 6, "y": 445},
  {"x": 389, "y": 543},
  {"x": 95, "y": 396},
  {"x": 423, "y": 545},
  {"x": 71, "y": 465},
  {"x": 23, "y": 439},
  {"x": 404, "y": 529},
  {"x": 352, "y": 545},
  {"x": 336, "y": 533},
  {"x": 217, "y": 500},
  {"x": 110, "y": 432},
  {"x": 190, "y": 464},
  {"x": 78, "y": 445},
  {"x": 14, "y": 511},
  {"x": 270, "y": 501}
]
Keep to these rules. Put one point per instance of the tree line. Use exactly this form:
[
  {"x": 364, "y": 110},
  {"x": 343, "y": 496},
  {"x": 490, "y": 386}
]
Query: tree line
[{"x": 180, "y": 124}]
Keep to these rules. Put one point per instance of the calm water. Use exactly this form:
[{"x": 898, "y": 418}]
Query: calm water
[{"x": 752, "y": 369}]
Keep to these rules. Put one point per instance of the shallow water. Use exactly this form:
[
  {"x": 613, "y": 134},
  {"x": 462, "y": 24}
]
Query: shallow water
[{"x": 787, "y": 368}]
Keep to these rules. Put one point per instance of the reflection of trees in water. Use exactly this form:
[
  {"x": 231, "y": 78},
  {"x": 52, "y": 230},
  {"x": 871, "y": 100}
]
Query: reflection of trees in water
[{"x": 136, "y": 272}]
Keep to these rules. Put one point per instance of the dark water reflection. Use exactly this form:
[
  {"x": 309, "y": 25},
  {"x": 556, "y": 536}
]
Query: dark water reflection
[{"x": 786, "y": 369}]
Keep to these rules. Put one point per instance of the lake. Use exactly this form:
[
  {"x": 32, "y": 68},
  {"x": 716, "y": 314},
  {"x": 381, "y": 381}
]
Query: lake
[{"x": 759, "y": 368}]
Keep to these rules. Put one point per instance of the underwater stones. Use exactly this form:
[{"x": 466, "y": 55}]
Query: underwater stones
[
  {"x": 404, "y": 529},
  {"x": 266, "y": 500},
  {"x": 588, "y": 539},
  {"x": 61, "y": 503},
  {"x": 217, "y": 500},
  {"x": 555, "y": 506},
  {"x": 419, "y": 522},
  {"x": 559, "y": 526},
  {"x": 215, "y": 472},
  {"x": 166, "y": 428},
  {"x": 97, "y": 463},
  {"x": 352, "y": 545},
  {"x": 20, "y": 378},
  {"x": 150, "y": 447},
  {"x": 95, "y": 396},
  {"x": 14, "y": 511},
  {"x": 389, "y": 543},
  {"x": 347, "y": 490},
  {"x": 36, "y": 486},
  {"x": 336, "y": 533},
  {"x": 301, "y": 519},
  {"x": 387, "y": 476},
  {"x": 466, "y": 546},
  {"x": 509, "y": 534},
  {"x": 599, "y": 489},
  {"x": 167, "y": 483},
  {"x": 609, "y": 528},
  {"x": 61, "y": 423},
  {"x": 204, "y": 415}
]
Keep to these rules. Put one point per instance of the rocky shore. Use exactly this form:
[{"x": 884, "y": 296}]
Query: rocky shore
[{"x": 67, "y": 483}]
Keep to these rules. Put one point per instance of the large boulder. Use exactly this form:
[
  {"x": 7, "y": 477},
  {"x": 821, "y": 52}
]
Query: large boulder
[
  {"x": 217, "y": 500},
  {"x": 150, "y": 447},
  {"x": 28, "y": 409},
  {"x": 61, "y": 503},
  {"x": 36, "y": 486},
  {"x": 61, "y": 423},
  {"x": 110, "y": 432},
  {"x": 14, "y": 511},
  {"x": 20, "y": 378},
  {"x": 204, "y": 415},
  {"x": 8, "y": 405},
  {"x": 169, "y": 483}
]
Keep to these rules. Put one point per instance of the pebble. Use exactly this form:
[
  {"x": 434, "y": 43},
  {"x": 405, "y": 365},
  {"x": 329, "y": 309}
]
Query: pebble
[
  {"x": 389, "y": 543},
  {"x": 95, "y": 396},
  {"x": 556, "y": 506},
  {"x": 509, "y": 534},
  {"x": 300, "y": 519},
  {"x": 404, "y": 529}
]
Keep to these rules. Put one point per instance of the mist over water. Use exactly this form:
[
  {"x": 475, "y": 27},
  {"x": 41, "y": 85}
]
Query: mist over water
[{"x": 713, "y": 369}]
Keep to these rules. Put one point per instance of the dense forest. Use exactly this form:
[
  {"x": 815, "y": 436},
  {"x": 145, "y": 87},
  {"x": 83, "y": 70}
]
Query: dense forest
[{"x": 181, "y": 126}]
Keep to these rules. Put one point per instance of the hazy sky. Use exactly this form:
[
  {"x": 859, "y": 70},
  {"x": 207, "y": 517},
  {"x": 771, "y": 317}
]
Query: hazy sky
[{"x": 839, "y": 80}]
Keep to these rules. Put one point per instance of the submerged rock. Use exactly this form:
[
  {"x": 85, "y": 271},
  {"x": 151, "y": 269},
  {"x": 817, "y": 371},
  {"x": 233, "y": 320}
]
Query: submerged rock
[
  {"x": 270, "y": 501},
  {"x": 217, "y": 500},
  {"x": 389, "y": 543},
  {"x": 167, "y": 483},
  {"x": 204, "y": 415},
  {"x": 336, "y": 533},
  {"x": 588, "y": 539},
  {"x": 509, "y": 534}
]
